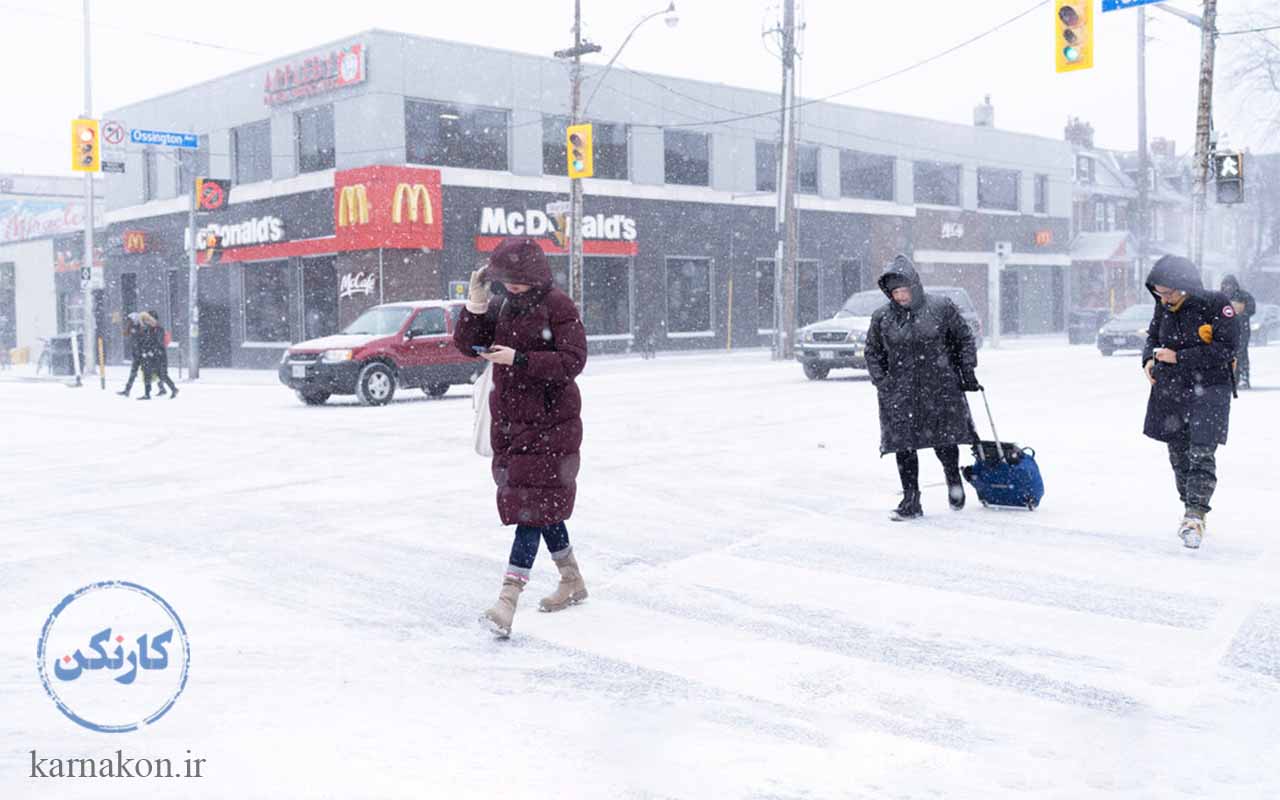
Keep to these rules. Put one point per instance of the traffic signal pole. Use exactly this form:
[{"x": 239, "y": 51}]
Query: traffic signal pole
[
  {"x": 1144, "y": 162},
  {"x": 1204, "y": 128},
  {"x": 89, "y": 324},
  {"x": 575, "y": 184},
  {"x": 784, "y": 270}
]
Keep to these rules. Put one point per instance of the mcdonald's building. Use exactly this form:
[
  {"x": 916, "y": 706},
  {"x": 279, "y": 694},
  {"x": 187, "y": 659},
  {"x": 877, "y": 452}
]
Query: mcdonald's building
[{"x": 386, "y": 166}]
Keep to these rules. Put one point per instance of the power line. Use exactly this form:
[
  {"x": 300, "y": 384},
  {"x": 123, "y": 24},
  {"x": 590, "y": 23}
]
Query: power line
[
  {"x": 180, "y": 39},
  {"x": 1263, "y": 29}
]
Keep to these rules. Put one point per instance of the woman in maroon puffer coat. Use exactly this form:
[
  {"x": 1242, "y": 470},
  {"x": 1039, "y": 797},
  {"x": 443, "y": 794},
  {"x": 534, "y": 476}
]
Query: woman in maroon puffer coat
[{"x": 534, "y": 337}]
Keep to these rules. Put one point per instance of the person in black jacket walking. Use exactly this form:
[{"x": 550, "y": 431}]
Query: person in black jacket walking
[
  {"x": 155, "y": 361},
  {"x": 1190, "y": 345},
  {"x": 135, "y": 340},
  {"x": 1245, "y": 307},
  {"x": 921, "y": 356}
]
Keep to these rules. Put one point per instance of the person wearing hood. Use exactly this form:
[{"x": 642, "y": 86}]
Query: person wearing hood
[
  {"x": 1245, "y": 307},
  {"x": 533, "y": 335},
  {"x": 157, "y": 360},
  {"x": 922, "y": 358},
  {"x": 1190, "y": 346},
  {"x": 136, "y": 338}
]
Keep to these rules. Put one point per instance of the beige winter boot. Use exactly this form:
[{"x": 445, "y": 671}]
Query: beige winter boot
[
  {"x": 499, "y": 616},
  {"x": 572, "y": 589}
]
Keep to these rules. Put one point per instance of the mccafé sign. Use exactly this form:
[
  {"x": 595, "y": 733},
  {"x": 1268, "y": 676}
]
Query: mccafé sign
[
  {"x": 388, "y": 207},
  {"x": 602, "y": 234}
]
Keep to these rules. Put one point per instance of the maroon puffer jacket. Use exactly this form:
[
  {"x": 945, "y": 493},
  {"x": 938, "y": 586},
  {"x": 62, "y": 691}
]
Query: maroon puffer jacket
[{"x": 537, "y": 423}]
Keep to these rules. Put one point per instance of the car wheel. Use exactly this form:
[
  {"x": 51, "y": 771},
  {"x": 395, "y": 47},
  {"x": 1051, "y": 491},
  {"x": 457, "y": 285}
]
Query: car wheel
[
  {"x": 1107, "y": 353},
  {"x": 313, "y": 398},
  {"x": 376, "y": 384},
  {"x": 436, "y": 389},
  {"x": 815, "y": 373}
]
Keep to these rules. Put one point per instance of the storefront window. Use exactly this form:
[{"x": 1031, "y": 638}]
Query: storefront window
[
  {"x": 808, "y": 298},
  {"x": 688, "y": 295},
  {"x": 937, "y": 183},
  {"x": 8, "y": 306},
  {"x": 314, "y": 138},
  {"x": 454, "y": 135},
  {"x": 807, "y": 169},
  {"x": 128, "y": 292},
  {"x": 688, "y": 158},
  {"x": 319, "y": 296},
  {"x": 1042, "y": 194},
  {"x": 266, "y": 301},
  {"x": 192, "y": 164},
  {"x": 609, "y": 144},
  {"x": 150, "y": 176},
  {"x": 766, "y": 167},
  {"x": 998, "y": 188},
  {"x": 866, "y": 175},
  {"x": 606, "y": 296},
  {"x": 764, "y": 295},
  {"x": 251, "y": 148}
]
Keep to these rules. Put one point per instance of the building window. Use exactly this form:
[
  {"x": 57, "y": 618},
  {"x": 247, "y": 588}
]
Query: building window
[
  {"x": 8, "y": 305},
  {"x": 251, "y": 149},
  {"x": 688, "y": 295},
  {"x": 609, "y": 142},
  {"x": 764, "y": 295},
  {"x": 1042, "y": 194},
  {"x": 314, "y": 138},
  {"x": 266, "y": 301},
  {"x": 998, "y": 189},
  {"x": 1084, "y": 169},
  {"x": 192, "y": 164},
  {"x": 866, "y": 175},
  {"x": 454, "y": 135},
  {"x": 1100, "y": 217},
  {"x": 320, "y": 290},
  {"x": 688, "y": 158},
  {"x": 807, "y": 168},
  {"x": 150, "y": 176},
  {"x": 937, "y": 183},
  {"x": 606, "y": 296},
  {"x": 766, "y": 167},
  {"x": 1121, "y": 217}
]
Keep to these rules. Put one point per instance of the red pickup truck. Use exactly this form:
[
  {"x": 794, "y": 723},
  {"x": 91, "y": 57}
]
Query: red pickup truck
[{"x": 393, "y": 345}]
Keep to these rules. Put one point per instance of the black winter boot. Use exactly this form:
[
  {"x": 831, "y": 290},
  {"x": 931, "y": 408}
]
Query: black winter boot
[
  {"x": 909, "y": 508},
  {"x": 955, "y": 491}
]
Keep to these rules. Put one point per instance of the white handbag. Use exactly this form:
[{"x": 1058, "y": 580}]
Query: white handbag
[{"x": 480, "y": 402}]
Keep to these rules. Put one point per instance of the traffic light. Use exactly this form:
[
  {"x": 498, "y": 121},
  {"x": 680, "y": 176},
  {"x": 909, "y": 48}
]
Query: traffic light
[
  {"x": 84, "y": 145},
  {"x": 212, "y": 248},
  {"x": 578, "y": 147},
  {"x": 1073, "y": 34},
  {"x": 1228, "y": 174}
]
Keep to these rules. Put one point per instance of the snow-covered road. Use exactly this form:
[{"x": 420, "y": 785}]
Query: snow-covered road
[{"x": 757, "y": 627}]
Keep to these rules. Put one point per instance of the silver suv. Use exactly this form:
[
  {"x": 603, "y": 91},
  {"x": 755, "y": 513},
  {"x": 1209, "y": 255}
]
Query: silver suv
[{"x": 841, "y": 342}]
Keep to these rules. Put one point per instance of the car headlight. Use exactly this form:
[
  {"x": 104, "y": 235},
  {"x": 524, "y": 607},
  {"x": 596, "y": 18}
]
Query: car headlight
[
  {"x": 1141, "y": 331},
  {"x": 854, "y": 336},
  {"x": 807, "y": 336},
  {"x": 1257, "y": 326},
  {"x": 334, "y": 356}
]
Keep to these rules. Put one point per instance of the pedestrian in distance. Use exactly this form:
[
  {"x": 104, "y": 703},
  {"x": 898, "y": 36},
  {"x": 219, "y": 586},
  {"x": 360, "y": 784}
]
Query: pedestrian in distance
[
  {"x": 922, "y": 359},
  {"x": 533, "y": 335},
  {"x": 160, "y": 358},
  {"x": 1191, "y": 342},
  {"x": 1245, "y": 307},
  {"x": 134, "y": 339}
]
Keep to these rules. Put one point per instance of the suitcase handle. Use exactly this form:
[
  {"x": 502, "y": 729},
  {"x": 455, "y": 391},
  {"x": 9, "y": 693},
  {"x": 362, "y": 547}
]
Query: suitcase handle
[{"x": 994, "y": 434}]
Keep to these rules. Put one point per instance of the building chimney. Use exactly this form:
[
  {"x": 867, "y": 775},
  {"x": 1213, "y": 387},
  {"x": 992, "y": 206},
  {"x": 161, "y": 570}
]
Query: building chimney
[
  {"x": 1079, "y": 133},
  {"x": 984, "y": 116}
]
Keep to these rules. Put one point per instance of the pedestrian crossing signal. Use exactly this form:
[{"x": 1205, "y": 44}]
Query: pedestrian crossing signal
[
  {"x": 578, "y": 147},
  {"x": 212, "y": 248},
  {"x": 84, "y": 145},
  {"x": 1073, "y": 34},
  {"x": 1228, "y": 174}
]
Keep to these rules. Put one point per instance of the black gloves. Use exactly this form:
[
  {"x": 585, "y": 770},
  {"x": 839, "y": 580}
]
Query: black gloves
[{"x": 969, "y": 381}]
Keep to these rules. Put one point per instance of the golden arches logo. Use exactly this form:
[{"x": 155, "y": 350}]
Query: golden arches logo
[
  {"x": 412, "y": 194},
  {"x": 135, "y": 242},
  {"x": 353, "y": 205}
]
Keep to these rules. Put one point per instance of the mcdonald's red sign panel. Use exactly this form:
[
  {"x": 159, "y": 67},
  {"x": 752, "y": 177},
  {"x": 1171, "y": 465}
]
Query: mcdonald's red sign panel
[{"x": 383, "y": 206}]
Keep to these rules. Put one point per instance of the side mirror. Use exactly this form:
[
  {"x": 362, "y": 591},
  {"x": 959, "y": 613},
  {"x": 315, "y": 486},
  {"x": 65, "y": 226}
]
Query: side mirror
[{"x": 410, "y": 334}]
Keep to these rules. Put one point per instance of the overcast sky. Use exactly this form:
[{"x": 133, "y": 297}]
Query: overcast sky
[{"x": 844, "y": 44}]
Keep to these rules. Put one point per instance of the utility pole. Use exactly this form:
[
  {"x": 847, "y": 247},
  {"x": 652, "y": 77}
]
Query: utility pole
[
  {"x": 578, "y": 50},
  {"x": 784, "y": 273},
  {"x": 89, "y": 326},
  {"x": 1144, "y": 162},
  {"x": 193, "y": 279},
  {"x": 1204, "y": 127}
]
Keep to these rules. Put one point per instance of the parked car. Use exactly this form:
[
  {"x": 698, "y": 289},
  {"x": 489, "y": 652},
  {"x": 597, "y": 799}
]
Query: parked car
[
  {"x": 393, "y": 345},
  {"x": 840, "y": 342},
  {"x": 1126, "y": 331},
  {"x": 1265, "y": 324}
]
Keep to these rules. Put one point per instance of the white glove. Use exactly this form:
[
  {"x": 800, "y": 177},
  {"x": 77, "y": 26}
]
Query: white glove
[{"x": 478, "y": 293}]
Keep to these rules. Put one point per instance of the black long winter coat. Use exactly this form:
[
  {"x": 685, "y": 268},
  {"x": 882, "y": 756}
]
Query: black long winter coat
[
  {"x": 915, "y": 356},
  {"x": 1244, "y": 329},
  {"x": 1191, "y": 398}
]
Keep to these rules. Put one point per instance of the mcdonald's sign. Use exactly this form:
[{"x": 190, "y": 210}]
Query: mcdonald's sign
[
  {"x": 384, "y": 206},
  {"x": 135, "y": 241},
  {"x": 353, "y": 205}
]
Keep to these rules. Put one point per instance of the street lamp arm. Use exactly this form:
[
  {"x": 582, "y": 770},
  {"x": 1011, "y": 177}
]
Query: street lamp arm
[{"x": 670, "y": 9}]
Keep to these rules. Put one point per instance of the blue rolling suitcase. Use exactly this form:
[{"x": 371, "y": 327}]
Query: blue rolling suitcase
[{"x": 1004, "y": 474}]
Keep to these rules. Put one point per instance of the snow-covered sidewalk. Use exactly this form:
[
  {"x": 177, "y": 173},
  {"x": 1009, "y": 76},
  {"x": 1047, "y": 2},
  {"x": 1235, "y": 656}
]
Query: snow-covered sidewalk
[{"x": 756, "y": 628}]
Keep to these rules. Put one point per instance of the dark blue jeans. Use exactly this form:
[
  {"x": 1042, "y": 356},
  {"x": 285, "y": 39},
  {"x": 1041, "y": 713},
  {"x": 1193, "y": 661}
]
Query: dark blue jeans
[{"x": 525, "y": 547}]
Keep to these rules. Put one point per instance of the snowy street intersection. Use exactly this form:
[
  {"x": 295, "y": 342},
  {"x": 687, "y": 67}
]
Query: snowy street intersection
[{"x": 757, "y": 627}]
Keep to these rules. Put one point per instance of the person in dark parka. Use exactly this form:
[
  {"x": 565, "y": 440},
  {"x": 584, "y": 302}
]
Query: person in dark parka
[
  {"x": 1188, "y": 361},
  {"x": 922, "y": 357},
  {"x": 157, "y": 360},
  {"x": 538, "y": 346},
  {"x": 135, "y": 340},
  {"x": 1245, "y": 307}
]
